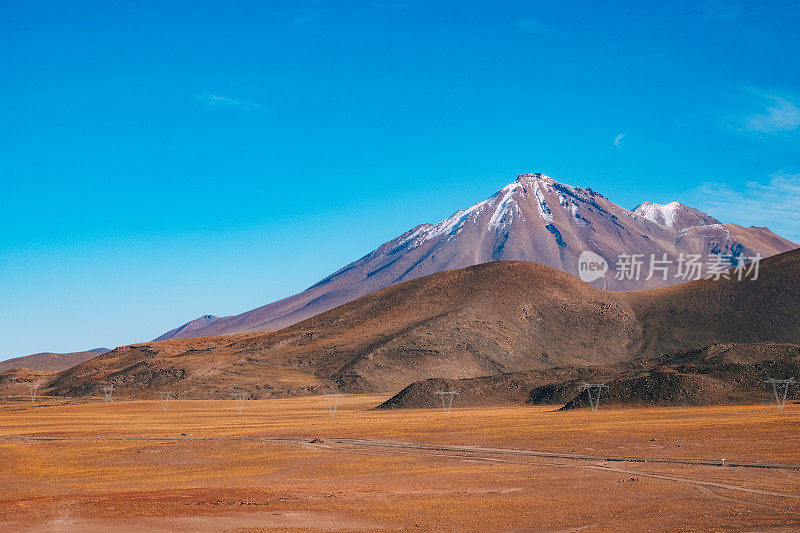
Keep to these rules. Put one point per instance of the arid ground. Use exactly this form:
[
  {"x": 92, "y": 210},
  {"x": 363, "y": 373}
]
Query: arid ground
[{"x": 286, "y": 465}]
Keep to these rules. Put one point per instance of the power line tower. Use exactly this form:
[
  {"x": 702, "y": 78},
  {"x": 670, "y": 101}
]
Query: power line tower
[
  {"x": 446, "y": 405},
  {"x": 32, "y": 387},
  {"x": 594, "y": 390},
  {"x": 107, "y": 390},
  {"x": 333, "y": 402},
  {"x": 781, "y": 389},
  {"x": 240, "y": 397},
  {"x": 165, "y": 396}
]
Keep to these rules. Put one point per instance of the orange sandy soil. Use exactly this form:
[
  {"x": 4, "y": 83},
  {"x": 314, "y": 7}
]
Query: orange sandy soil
[{"x": 127, "y": 466}]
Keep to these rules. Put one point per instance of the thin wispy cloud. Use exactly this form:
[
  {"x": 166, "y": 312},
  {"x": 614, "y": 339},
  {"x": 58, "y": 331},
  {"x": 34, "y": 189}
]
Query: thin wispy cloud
[
  {"x": 219, "y": 100},
  {"x": 618, "y": 140},
  {"x": 721, "y": 10},
  {"x": 778, "y": 115},
  {"x": 774, "y": 204},
  {"x": 392, "y": 4},
  {"x": 533, "y": 27},
  {"x": 307, "y": 18}
]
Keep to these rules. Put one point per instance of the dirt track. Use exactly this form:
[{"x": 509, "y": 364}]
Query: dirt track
[{"x": 443, "y": 448}]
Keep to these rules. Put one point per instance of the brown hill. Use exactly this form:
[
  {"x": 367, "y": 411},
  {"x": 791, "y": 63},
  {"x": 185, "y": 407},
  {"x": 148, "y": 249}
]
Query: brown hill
[
  {"x": 719, "y": 374},
  {"x": 14, "y": 383},
  {"x": 50, "y": 361},
  {"x": 503, "y": 389},
  {"x": 706, "y": 312},
  {"x": 489, "y": 319}
]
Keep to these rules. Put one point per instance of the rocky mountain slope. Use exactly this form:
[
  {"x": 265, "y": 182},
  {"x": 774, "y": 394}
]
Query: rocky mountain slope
[{"x": 535, "y": 218}]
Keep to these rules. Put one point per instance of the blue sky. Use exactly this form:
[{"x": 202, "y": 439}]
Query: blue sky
[{"x": 163, "y": 160}]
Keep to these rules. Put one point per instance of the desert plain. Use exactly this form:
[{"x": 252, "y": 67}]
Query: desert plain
[{"x": 287, "y": 465}]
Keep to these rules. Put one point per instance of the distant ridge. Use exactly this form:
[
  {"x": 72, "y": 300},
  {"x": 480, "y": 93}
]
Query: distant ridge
[
  {"x": 50, "y": 361},
  {"x": 186, "y": 329}
]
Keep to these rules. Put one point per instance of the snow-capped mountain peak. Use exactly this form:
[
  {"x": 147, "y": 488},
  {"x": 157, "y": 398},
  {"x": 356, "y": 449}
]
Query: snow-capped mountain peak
[
  {"x": 660, "y": 214},
  {"x": 502, "y": 209},
  {"x": 534, "y": 176},
  {"x": 674, "y": 215},
  {"x": 537, "y": 196}
]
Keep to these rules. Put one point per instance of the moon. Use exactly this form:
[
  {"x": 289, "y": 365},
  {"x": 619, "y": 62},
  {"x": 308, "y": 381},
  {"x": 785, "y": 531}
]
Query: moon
[{"x": 618, "y": 139}]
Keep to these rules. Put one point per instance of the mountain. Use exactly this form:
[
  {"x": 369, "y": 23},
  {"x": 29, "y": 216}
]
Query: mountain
[
  {"x": 674, "y": 215},
  {"x": 186, "y": 329},
  {"x": 49, "y": 361},
  {"x": 535, "y": 219},
  {"x": 485, "y": 320}
]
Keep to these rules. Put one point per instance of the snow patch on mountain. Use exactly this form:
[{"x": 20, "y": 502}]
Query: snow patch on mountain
[
  {"x": 447, "y": 227},
  {"x": 506, "y": 208},
  {"x": 541, "y": 203},
  {"x": 660, "y": 214},
  {"x": 709, "y": 231}
]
